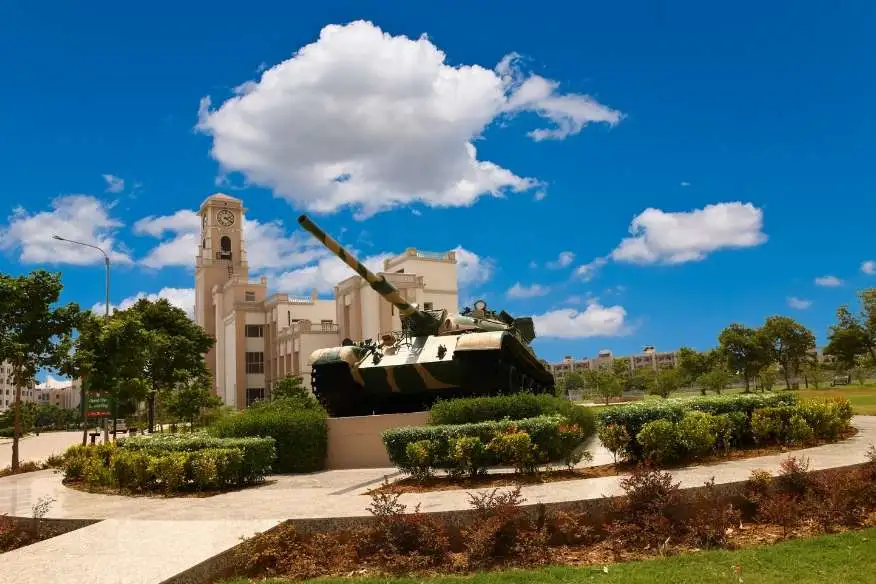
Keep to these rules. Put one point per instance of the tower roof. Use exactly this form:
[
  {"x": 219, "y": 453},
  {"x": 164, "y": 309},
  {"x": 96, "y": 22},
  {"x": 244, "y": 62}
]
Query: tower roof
[{"x": 220, "y": 197}]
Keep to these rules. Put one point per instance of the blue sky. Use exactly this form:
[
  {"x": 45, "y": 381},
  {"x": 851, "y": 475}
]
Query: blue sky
[{"x": 698, "y": 165}]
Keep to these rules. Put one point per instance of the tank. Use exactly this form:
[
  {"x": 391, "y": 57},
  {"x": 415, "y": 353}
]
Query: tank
[{"x": 436, "y": 354}]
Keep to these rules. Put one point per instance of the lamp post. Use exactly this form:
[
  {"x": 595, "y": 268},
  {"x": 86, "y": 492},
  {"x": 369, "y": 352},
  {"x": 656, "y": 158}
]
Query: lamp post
[{"x": 106, "y": 261}]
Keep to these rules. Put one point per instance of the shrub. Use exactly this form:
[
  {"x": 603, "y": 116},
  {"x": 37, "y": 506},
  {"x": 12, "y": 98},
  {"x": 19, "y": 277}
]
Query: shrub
[
  {"x": 658, "y": 441},
  {"x": 469, "y": 455},
  {"x": 552, "y": 437},
  {"x": 799, "y": 431},
  {"x": 519, "y": 406},
  {"x": 634, "y": 416},
  {"x": 301, "y": 435},
  {"x": 827, "y": 418},
  {"x": 515, "y": 448},
  {"x": 420, "y": 458},
  {"x": 724, "y": 430},
  {"x": 695, "y": 433},
  {"x": 615, "y": 438},
  {"x": 771, "y": 424}
]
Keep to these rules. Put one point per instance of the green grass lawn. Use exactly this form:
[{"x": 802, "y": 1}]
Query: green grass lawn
[{"x": 849, "y": 557}]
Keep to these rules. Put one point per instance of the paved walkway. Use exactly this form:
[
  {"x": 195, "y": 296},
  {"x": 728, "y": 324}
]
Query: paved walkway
[
  {"x": 34, "y": 448},
  {"x": 186, "y": 522}
]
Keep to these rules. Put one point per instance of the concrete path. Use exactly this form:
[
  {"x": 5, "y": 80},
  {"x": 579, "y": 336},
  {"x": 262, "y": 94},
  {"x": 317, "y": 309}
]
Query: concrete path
[
  {"x": 187, "y": 521},
  {"x": 33, "y": 448}
]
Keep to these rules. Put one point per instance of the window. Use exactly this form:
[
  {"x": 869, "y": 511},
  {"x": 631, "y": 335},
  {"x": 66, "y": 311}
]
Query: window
[
  {"x": 254, "y": 330},
  {"x": 255, "y": 362},
  {"x": 254, "y": 394},
  {"x": 225, "y": 248},
  {"x": 427, "y": 306},
  {"x": 289, "y": 317},
  {"x": 327, "y": 325},
  {"x": 249, "y": 296}
]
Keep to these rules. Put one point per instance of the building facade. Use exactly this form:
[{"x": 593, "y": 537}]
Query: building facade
[
  {"x": 7, "y": 389},
  {"x": 63, "y": 393},
  {"x": 649, "y": 358},
  {"x": 261, "y": 338}
]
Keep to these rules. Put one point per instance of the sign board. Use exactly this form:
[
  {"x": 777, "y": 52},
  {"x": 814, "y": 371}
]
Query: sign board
[{"x": 97, "y": 406}]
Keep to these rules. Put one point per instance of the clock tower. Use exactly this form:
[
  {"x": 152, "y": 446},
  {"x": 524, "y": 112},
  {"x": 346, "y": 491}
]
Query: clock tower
[{"x": 221, "y": 258}]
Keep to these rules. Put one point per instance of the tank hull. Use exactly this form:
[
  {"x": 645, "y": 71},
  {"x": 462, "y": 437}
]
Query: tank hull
[{"x": 411, "y": 376}]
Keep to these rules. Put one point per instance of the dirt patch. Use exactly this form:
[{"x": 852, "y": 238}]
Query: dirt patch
[
  {"x": 102, "y": 490},
  {"x": 446, "y": 483}
]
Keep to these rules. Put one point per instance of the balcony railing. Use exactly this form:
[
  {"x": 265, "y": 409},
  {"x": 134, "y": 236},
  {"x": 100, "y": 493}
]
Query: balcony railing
[{"x": 313, "y": 327}]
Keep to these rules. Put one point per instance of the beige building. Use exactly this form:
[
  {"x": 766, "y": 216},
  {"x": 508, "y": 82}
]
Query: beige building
[
  {"x": 64, "y": 393},
  {"x": 261, "y": 339},
  {"x": 7, "y": 389},
  {"x": 649, "y": 358}
]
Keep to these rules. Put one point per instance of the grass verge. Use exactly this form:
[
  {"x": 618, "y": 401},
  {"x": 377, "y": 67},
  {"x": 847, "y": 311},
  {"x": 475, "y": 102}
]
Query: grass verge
[{"x": 847, "y": 557}]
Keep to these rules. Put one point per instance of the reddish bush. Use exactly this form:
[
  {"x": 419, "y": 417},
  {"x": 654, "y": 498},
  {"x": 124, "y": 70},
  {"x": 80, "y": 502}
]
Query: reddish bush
[{"x": 712, "y": 518}]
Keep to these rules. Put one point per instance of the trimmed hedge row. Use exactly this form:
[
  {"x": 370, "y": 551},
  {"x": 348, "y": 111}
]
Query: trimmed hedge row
[
  {"x": 301, "y": 435},
  {"x": 155, "y": 468},
  {"x": 698, "y": 433},
  {"x": 472, "y": 448},
  {"x": 519, "y": 406},
  {"x": 258, "y": 453},
  {"x": 633, "y": 417}
]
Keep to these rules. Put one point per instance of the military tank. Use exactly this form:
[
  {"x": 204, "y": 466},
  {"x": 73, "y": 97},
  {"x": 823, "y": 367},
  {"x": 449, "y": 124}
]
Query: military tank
[{"x": 436, "y": 354}]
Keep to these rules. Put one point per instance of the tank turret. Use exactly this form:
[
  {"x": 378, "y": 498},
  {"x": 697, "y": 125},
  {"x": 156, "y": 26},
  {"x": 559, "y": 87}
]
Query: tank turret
[{"x": 436, "y": 355}]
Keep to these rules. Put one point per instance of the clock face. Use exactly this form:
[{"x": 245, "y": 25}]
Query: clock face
[{"x": 225, "y": 218}]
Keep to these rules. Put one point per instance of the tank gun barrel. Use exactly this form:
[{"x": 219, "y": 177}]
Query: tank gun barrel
[{"x": 378, "y": 283}]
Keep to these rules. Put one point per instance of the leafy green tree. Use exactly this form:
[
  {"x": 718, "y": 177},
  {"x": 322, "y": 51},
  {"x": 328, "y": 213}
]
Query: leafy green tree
[
  {"x": 716, "y": 379},
  {"x": 768, "y": 377},
  {"x": 572, "y": 381},
  {"x": 665, "y": 382},
  {"x": 746, "y": 349},
  {"x": 863, "y": 369},
  {"x": 290, "y": 386},
  {"x": 854, "y": 335},
  {"x": 31, "y": 325},
  {"x": 191, "y": 398},
  {"x": 604, "y": 384},
  {"x": 790, "y": 342},
  {"x": 692, "y": 365},
  {"x": 173, "y": 353}
]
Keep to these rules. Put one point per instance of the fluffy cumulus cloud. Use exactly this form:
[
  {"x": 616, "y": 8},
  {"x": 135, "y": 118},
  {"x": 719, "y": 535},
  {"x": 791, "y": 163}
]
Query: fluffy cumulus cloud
[
  {"x": 869, "y": 267},
  {"x": 114, "y": 184},
  {"x": 473, "y": 270},
  {"x": 676, "y": 237},
  {"x": 519, "y": 290},
  {"x": 828, "y": 281},
  {"x": 565, "y": 259},
  {"x": 595, "y": 320},
  {"x": 81, "y": 218},
  {"x": 588, "y": 271},
  {"x": 799, "y": 303},
  {"x": 268, "y": 246},
  {"x": 365, "y": 119},
  {"x": 183, "y": 298}
]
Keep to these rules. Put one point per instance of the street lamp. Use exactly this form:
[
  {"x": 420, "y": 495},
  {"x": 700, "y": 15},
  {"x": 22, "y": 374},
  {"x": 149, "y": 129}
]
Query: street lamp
[{"x": 106, "y": 316}]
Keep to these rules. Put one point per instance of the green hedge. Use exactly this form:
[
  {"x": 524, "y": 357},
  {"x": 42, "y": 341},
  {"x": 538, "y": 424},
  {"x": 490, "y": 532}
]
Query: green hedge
[
  {"x": 7, "y": 432},
  {"x": 523, "y": 444},
  {"x": 634, "y": 416},
  {"x": 471, "y": 410},
  {"x": 301, "y": 435},
  {"x": 165, "y": 469},
  {"x": 259, "y": 453}
]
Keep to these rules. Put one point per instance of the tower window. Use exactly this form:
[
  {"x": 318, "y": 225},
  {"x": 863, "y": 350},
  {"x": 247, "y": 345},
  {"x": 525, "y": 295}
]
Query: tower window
[
  {"x": 225, "y": 248},
  {"x": 254, "y": 330},
  {"x": 249, "y": 296}
]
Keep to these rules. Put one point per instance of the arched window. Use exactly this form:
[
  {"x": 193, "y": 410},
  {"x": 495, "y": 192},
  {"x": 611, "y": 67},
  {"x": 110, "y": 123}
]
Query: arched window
[{"x": 225, "y": 247}]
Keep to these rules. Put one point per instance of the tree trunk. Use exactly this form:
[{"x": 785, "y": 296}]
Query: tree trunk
[
  {"x": 16, "y": 425},
  {"x": 84, "y": 415},
  {"x": 787, "y": 377},
  {"x": 747, "y": 383},
  {"x": 150, "y": 406}
]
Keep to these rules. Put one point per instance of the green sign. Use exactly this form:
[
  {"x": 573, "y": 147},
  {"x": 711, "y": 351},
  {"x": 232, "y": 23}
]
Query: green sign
[{"x": 97, "y": 406}]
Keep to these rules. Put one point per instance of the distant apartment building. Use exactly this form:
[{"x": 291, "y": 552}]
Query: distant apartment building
[
  {"x": 63, "y": 393},
  {"x": 649, "y": 358},
  {"x": 7, "y": 389},
  {"x": 261, "y": 338}
]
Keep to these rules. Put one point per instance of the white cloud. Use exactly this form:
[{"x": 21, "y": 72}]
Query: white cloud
[
  {"x": 365, "y": 119},
  {"x": 673, "y": 238},
  {"x": 828, "y": 281},
  {"x": 183, "y": 298},
  {"x": 539, "y": 195},
  {"x": 267, "y": 244},
  {"x": 594, "y": 321},
  {"x": 471, "y": 268},
  {"x": 518, "y": 290},
  {"x": 114, "y": 184},
  {"x": 80, "y": 218},
  {"x": 684, "y": 183},
  {"x": 588, "y": 271},
  {"x": 799, "y": 303},
  {"x": 869, "y": 267},
  {"x": 564, "y": 259},
  {"x": 324, "y": 275}
]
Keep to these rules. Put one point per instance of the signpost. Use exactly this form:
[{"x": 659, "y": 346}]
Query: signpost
[{"x": 98, "y": 406}]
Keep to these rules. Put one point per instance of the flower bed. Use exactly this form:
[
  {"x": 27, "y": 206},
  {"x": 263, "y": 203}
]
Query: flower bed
[
  {"x": 469, "y": 449},
  {"x": 170, "y": 464},
  {"x": 653, "y": 517}
]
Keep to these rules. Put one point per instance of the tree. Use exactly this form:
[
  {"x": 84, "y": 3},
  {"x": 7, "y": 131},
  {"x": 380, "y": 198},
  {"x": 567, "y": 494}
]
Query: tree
[
  {"x": 854, "y": 335},
  {"x": 604, "y": 384},
  {"x": 768, "y": 376},
  {"x": 746, "y": 349},
  {"x": 790, "y": 342},
  {"x": 30, "y": 327},
  {"x": 717, "y": 379},
  {"x": 692, "y": 365},
  {"x": 572, "y": 381},
  {"x": 863, "y": 368},
  {"x": 173, "y": 353},
  {"x": 664, "y": 383},
  {"x": 289, "y": 386},
  {"x": 191, "y": 398}
]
